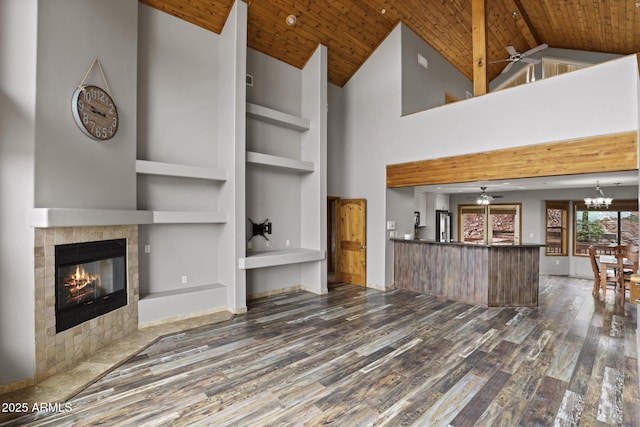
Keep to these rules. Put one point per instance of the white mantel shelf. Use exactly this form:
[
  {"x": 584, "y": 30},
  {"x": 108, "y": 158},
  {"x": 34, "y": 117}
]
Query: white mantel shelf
[
  {"x": 69, "y": 217},
  {"x": 261, "y": 259}
]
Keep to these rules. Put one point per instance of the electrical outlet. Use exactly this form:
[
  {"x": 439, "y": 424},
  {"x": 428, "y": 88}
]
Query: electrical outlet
[
  {"x": 184, "y": 280},
  {"x": 288, "y": 242},
  {"x": 557, "y": 262},
  {"x": 268, "y": 244},
  {"x": 249, "y": 245},
  {"x": 147, "y": 249}
]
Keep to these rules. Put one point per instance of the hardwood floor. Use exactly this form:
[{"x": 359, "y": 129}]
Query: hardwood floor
[{"x": 358, "y": 356}]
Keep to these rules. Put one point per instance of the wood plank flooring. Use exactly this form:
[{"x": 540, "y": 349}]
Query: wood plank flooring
[{"x": 364, "y": 357}]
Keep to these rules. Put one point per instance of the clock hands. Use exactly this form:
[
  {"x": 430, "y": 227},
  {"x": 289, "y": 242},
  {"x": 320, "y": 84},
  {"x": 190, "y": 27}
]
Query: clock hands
[{"x": 93, "y": 110}]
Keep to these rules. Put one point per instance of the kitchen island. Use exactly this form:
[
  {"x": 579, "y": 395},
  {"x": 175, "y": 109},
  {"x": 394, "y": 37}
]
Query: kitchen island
[{"x": 487, "y": 275}]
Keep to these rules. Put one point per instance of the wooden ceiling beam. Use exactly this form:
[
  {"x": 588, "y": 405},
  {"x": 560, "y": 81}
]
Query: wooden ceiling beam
[{"x": 478, "y": 17}]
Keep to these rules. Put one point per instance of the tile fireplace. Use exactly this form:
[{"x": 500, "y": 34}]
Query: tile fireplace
[{"x": 112, "y": 252}]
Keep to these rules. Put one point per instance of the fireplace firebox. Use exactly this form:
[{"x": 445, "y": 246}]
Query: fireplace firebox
[{"x": 91, "y": 280}]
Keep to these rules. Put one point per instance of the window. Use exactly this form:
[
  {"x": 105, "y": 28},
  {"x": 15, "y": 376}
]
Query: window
[
  {"x": 555, "y": 66},
  {"x": 497, "y": 224},
  {"x": 617, "y": 225},
  {"x": 557, "y": 219},
  {"x": 523, "y": 76}
]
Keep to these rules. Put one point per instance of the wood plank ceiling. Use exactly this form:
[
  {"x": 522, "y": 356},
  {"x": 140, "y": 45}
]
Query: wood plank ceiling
[{"x": 352, "y": 29}]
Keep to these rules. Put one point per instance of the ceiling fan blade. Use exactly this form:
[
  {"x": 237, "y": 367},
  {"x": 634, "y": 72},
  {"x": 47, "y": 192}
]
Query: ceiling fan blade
[
  {"x": 499, "y": 60},
  {"x": 536, "y": 49},
  {"x": 512, "y": 50},
  {"x": 531, "y": 60},
  {"x": 507, "y": 68}
]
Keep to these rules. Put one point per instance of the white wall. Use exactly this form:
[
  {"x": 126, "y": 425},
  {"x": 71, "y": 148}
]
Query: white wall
[
  {"x": 18, "y": 51},
  {"x": 547, "y": 110},
  {"x": 72, "y": 170},
  {"x": 372, "y": 106}
]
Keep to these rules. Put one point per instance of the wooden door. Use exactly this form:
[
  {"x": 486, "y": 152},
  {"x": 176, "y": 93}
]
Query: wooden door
[{"x": 351, "y": 247}]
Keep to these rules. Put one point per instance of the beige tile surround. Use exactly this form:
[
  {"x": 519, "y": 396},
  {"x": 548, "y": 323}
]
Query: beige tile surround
[{"x": 59, "y": 352}]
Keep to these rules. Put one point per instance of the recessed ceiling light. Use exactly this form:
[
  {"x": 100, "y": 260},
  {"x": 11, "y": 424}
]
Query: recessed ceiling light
[
  {"x": 383, "y": 11},
  {"x": 291, "y": 20}
]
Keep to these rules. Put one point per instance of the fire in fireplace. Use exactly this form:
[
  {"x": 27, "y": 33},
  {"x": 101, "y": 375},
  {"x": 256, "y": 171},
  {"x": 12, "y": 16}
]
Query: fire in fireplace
[{"x": 91, "y": 280}]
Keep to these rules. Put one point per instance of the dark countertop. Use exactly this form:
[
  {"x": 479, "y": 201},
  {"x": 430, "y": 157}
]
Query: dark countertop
[{"x": 433, "y": 242}]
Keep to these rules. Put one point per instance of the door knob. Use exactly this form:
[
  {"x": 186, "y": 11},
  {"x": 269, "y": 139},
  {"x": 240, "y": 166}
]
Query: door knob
[{"x": 363, "y": 247}]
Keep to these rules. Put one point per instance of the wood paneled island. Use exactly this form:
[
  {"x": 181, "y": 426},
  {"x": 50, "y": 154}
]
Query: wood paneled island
[{"x": 492, "y": 276}]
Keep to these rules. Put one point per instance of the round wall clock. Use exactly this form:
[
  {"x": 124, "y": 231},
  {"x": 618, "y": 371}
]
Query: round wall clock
[{"x": 94, "y": 112}]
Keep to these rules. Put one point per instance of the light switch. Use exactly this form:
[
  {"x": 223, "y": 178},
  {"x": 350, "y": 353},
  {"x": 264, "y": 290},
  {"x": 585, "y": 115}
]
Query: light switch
[{"x": 391, "y": 225}]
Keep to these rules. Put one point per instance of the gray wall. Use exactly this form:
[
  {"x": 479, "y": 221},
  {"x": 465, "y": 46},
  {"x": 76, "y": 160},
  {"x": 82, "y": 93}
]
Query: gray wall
[
  {"x": 18, "y": 51},
  {"x": 177, "y": 123},
  {"x": 270, "y": 193},
  {"x": 45, "y": 160},
  {"x": 425, "y": 88},
  {"x": 335, "y": 140},
  {"x": 72, "y": 170}
]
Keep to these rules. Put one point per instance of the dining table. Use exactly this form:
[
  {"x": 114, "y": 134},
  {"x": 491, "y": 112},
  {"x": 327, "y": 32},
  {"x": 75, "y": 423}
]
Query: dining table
[{"x": 610, "y": 262}]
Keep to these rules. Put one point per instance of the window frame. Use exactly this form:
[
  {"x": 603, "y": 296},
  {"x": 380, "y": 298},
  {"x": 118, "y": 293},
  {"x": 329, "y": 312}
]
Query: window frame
[
  {"x": 487, "y": 221},
  {"x": 625, "y": 205},
  {"x": 562, "y": 205}
]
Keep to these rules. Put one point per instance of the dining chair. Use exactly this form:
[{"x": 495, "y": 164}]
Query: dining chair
[
  {"x": 625, "y": 271},
  {"x": 612, "y": 277},
  {"x": 634, "y": 289}
]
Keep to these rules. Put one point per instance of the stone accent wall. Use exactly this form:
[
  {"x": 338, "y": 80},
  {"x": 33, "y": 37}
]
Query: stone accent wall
[{"x": 58, "y": 352}]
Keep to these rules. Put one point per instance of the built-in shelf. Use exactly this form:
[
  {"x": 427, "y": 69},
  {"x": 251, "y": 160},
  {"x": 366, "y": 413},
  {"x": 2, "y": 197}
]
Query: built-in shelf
[
  {"x": 177, "y": 303},
  {"x": 186, "y": 217},
  {"x": 269, "y": 115},
  {"x": 261, "y": 259},
  {"x": 64, "y": 217},
  {"x": 184, "y": 171},
  {"x": 282, "y": 163}
]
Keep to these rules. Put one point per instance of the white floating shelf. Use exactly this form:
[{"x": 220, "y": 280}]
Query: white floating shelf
[
  {"x": 277, "y": 162},
  {"x": 194, "y": 300},
  {"x": 185, "y": 217},
  {"x": 63, "y": 217},
  {"x": 269, "y": 115},
  {"x": 261, "y": 259},
  {"x": 184, "y": 171}
]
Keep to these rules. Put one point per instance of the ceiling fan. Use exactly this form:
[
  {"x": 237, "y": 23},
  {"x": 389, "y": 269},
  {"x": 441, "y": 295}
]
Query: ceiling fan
[
  {"x": 514, "y": 55},
  {"x": 484, "y": 198}
]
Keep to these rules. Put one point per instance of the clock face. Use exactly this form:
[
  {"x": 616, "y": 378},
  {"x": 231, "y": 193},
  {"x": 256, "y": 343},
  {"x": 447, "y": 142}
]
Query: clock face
[{"x": 95, "y": 113}]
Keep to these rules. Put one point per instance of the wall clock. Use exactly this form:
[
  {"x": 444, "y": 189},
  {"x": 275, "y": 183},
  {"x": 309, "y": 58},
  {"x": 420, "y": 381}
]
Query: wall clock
[{"x": 94, "y": 112}]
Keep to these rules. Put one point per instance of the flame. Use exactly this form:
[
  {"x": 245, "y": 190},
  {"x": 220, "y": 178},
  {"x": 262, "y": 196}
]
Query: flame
[{"x": 78, "y": 281}]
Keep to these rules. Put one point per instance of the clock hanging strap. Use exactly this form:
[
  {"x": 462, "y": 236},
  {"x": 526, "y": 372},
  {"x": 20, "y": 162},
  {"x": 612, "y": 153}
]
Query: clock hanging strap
[{"x": 104, "y": 79}]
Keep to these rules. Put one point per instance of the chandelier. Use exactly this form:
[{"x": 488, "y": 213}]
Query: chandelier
[{"x": 599, "y": 201}]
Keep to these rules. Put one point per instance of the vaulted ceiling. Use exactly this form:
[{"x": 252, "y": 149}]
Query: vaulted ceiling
[{"x": 352, "y": 29}]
